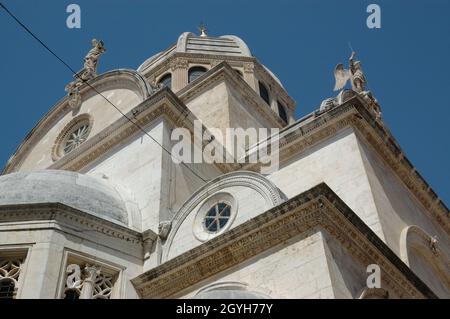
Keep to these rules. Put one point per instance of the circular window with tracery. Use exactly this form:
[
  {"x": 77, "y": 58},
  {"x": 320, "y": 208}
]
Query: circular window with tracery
[
  {"x": 215, "y": 216},
  {"x": 72, "y": 136}
]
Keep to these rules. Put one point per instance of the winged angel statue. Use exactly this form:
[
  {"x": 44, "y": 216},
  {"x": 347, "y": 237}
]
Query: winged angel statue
[{"x": 354, "y": 74}]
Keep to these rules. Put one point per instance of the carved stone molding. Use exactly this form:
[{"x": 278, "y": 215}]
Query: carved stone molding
[
  {"x": 166, "y": 64},
  {"x": 354, "y": 114},
  {"x": 179, "y": 63},
  {"x": 162, "y": 103},
  {"x": 249, "y": 67},
  {"x": 62, "y": 213},
  {"x": 164, "y": 229},
  {"x": 318, "y": 207},
  {"x": 213, "y": 63}
]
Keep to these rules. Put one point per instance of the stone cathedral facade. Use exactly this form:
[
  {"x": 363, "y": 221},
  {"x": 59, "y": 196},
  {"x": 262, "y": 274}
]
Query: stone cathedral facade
[{"x": 92, "y": 207}]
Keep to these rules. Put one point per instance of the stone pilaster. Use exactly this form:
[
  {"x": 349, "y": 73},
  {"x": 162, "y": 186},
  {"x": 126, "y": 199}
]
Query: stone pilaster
[{"x": 179, "y": 69}]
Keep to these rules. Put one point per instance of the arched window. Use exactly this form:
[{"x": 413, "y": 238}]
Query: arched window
[
  {"x": 7, "y": 289},
  {"x": 9, "y": 275},
  {"x": 195, "y": 72},
  {"x": 264, "y": 93},
  {"x": 166, "y": 80},
  {"x": 282, "y": 112}
]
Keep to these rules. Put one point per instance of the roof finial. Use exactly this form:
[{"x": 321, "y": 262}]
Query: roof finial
[{"x": 202, "y": 29}]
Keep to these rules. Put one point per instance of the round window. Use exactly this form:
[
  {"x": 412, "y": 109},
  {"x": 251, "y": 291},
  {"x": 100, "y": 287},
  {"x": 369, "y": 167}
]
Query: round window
[
  {"x": 72, "y": 136},
  {"x": 75, "y": 137},
  {"x": 217, "y": 217}
]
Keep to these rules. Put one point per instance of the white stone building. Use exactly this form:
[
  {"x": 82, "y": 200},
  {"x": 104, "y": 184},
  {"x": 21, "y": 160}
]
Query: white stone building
[{"x": 92, "y": 207}]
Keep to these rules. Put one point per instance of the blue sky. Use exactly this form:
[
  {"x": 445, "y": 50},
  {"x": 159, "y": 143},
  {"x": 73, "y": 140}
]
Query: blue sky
[{"x": 406, "y": 62}]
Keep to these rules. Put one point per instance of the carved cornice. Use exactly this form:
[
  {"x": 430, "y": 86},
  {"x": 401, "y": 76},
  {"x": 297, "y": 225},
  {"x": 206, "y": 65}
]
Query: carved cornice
[
  {"x": 249, "y": 64},
  {"x": 386, "y": 146},
  {"x": 318, "y": 207},
  {"x": 319, "y": 126},
  {"x": 64, "y": 213},
  {"x": 179, "y": 64},
  {"x": 163, "y": 103},
  {"x": 173, "y": 59}
]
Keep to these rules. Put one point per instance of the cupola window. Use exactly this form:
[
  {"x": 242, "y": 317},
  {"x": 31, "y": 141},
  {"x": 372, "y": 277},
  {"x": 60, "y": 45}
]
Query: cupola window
[
  {"x": 264, "y": 93},
  {"x": 195, "y": 72},
  {"x": 166, "y": 81},
  {"x": 282, "y": 112}
]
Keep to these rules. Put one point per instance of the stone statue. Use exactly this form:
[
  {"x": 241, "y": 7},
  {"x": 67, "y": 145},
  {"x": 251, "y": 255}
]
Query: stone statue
[
  {"x": 433, "y": 242},
  {"x": 354, "y": 74},
  {"x": 164, "y": 229},
  {"x": 88, "y": 72},
  {"x": 73, "y": 280},
  {"x": 91, "y": 60},
  {"x": 73, "y": 92}
]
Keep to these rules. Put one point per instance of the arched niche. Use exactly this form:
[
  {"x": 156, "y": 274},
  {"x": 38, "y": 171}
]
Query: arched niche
[{"x": 426, "y": 258}]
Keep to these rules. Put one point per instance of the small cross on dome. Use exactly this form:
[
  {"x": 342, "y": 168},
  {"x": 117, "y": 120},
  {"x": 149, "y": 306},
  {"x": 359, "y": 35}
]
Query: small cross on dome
[{"x": 202, "y": 29}]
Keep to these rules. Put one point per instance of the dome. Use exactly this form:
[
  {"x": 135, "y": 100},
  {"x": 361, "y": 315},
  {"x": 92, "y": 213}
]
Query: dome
[
  {"x": 223, "y": 45},
  {"x": 78, "y": 191},
  {"x": 188, "y": 42},
  {"x": 228, "y": 290}
]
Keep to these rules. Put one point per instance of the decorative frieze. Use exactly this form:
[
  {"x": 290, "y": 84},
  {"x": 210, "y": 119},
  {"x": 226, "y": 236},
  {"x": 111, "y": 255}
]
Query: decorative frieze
[
  {"x": 64, "y": 214},
  {"x": 318, "y": 207},
  {"x": 249, "y": 67},
  {"x": 179, "y": 63}
]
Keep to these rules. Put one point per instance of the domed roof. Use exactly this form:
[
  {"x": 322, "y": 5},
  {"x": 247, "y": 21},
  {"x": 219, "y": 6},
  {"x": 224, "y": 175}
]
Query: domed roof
[
  {"x": 223, "y": 45},
  {"x": 78, "y": 191},
  {"x": 228, "y": 290},
  {"x": 188, "y": 42}
]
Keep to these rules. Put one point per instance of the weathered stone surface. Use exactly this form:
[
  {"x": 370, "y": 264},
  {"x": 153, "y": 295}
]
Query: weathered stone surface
[{"x": 72, "y": 189}]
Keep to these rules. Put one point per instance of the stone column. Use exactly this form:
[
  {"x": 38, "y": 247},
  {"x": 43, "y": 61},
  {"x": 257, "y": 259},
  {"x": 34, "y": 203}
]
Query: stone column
[
  {"x": 179, "y": 69},
  {"x": 91, "y": 273}
]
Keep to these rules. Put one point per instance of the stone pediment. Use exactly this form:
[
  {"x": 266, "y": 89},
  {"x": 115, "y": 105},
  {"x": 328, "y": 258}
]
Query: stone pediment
[{"x": 125, "y": 88}]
